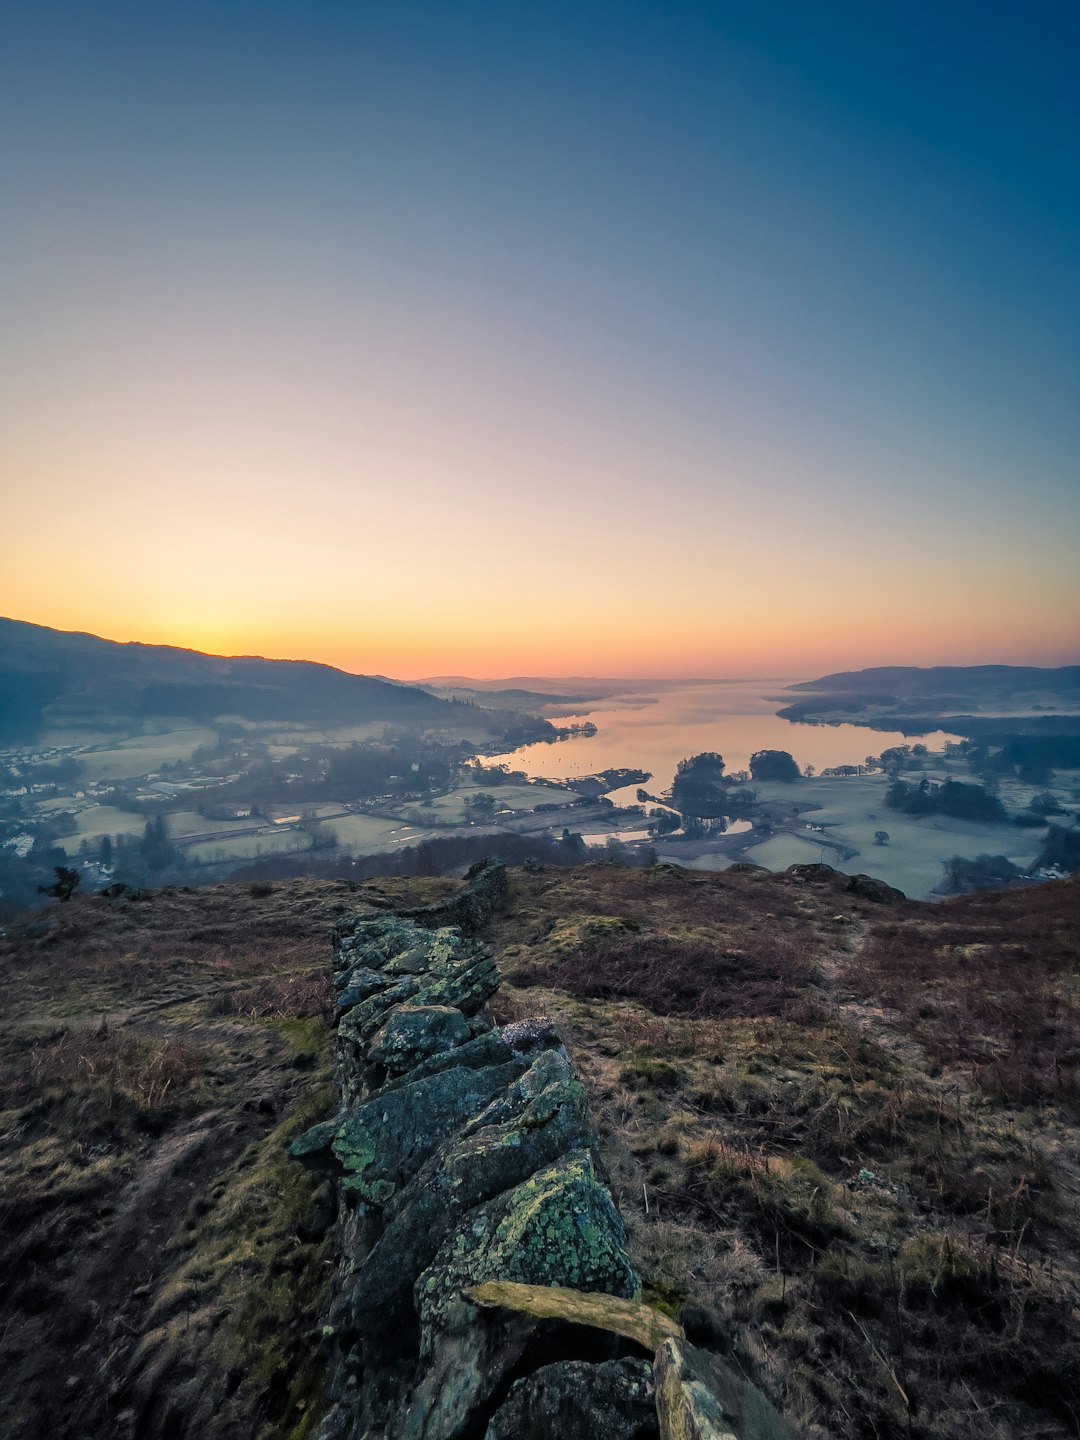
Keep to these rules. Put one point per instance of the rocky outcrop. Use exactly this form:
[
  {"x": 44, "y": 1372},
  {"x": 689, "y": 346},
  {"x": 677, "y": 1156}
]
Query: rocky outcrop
[
  {"x": 462, "y": 1154},
  {"x": 870, "y": 888},
  {"x": 484, "y": 1282},
  {"x": 471, "y": 907}
]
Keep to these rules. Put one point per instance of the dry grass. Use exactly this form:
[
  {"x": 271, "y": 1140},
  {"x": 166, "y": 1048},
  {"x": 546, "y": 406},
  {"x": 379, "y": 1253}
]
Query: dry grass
[
  {"x": 148, "y": 1047},
  {"x": 119, "y": 1067},
  {"x": 991, "y": 987},
  {"x": 894, "y": 1253},
  {"x": 673, "y": 941},
  {"x": 282, "y": 997}
]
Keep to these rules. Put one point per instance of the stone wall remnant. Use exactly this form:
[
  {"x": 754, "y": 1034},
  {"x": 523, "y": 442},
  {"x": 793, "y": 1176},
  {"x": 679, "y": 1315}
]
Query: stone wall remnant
[{"x": 484, "y": 1283}]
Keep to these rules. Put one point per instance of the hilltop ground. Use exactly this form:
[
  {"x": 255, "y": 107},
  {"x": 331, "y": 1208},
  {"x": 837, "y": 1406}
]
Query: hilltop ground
[{"x": 843, "y": 1134}]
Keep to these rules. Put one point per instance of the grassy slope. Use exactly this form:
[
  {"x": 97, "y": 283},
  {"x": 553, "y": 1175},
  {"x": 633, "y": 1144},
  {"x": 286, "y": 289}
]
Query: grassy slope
[
  {"x": 881, "y": 1204},
  {"x": 164, "y": 1262}
]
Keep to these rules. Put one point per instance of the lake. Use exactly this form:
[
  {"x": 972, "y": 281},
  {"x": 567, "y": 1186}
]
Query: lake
[{"x": 654, "y": 728}]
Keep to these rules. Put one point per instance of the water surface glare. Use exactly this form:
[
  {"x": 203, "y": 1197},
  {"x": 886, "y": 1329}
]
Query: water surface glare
[{"x": 657, "y": 725}]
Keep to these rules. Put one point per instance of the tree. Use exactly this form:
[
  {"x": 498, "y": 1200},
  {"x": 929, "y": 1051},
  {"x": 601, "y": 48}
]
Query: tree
[
  {"x": 63, "y": 887},
  {"x": 700, "y": 785},
  {"x": 808, "y": 771},
  {"x": 709, "y": 764},
  {"x": 966, "y": 802},
  {"x": 881, "y": 837},
  {"x": 773, "y": 765},
  {"x": 156, "y": 850},
  {"x": 106, "y": 850}
]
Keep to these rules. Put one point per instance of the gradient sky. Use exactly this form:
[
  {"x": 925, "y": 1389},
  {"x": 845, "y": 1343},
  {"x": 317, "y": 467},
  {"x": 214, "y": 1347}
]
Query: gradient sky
[{"x": 503, "y": 338}]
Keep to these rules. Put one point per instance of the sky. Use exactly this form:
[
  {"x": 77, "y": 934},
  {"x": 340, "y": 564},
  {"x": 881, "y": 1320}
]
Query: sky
[{"x": 663, "y": 339}]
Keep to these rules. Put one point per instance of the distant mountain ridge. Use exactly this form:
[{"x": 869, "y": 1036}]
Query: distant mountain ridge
[
  {"x": 58, "y": 677},
  {"x": 988, "y": 703},
  {"x": 980, "y": 681}
]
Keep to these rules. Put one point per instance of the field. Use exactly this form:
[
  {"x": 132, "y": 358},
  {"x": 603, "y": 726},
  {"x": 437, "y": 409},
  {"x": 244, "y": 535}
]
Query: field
[
  {"x": 702, "y": 862},
  {"x": 453, "y": 809},
  {"x": 781, "y": 851},
  {"x": 101, "y": 820},
  {"x": 369, "y": 834},
  {"x": 853, "y": 809},
  {"x": 237, "y": 848},
  {"x": 143, "y": 754}
]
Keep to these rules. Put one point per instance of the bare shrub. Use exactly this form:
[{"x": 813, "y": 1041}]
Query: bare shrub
[
  {"x": 682, "y": 977},
  {"x": 284, "y": 997},
  {"x": 1004, "y": 1010}
]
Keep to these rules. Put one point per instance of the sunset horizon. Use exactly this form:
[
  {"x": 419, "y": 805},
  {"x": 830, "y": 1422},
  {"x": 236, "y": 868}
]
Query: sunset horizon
[
  {"x": 516, "y": 670},
  {"x": 583, "y": 339}
]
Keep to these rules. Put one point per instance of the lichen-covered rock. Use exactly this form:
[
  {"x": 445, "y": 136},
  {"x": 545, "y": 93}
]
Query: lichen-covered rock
[
  {"x": 385, "y": 961},
  {"x": 358, "y": 1025},
  {"x": 573, "y": 1400},
  {"x": 315, "y": 1147},
  {"x": 357, "y": 985},
  {"x": 700, "y": 1397},
  {"x": 376, "y": 940},
  {"x": 559, "y": 1227},
  {"x": 487, "y": 1048},
  {"x": 412, "y": 1033},
  {"x": 395, "y": 945},
  {"x": 384, "y": 1141},
  {"x": 463, "y": 1155},
  {"x": 540, "y": 1117},
  {"x": 465, "y": 982},
  {"x": 472, "y": 907}
]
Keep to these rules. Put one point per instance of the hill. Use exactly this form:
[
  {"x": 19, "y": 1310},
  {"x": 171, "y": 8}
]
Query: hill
[
  {"x": 64, "y": 679},
  {"x": 976, "y": 683},
  {"x": 986, "y": 703},
  {"x": 842, "y": 1132}
]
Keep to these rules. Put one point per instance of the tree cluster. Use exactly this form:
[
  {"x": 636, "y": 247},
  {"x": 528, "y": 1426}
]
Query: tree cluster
[
  {"x": 964, "y": 802},
  {"x": 773, "y": 765},
  {"x": 1061, "y": 848}
]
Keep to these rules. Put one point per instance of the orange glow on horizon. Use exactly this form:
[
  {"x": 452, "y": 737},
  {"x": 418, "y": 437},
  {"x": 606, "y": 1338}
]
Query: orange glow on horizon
[{"x": 415, "y": 653}]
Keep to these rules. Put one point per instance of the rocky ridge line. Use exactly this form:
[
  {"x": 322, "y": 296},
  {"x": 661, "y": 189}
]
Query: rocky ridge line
[{"x": 463, "y": 1154}]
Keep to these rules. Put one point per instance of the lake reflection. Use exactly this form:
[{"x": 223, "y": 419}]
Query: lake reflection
[{"x": 654, "y": 728}]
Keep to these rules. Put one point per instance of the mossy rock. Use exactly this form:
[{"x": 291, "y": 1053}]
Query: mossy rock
[
  {"x": 558, "y": 1228},
  {"x": 540, "y": 1117},
  {"x": 574, "y": 1400},
  {"x": 412, "y": 1033},
  {"x": 379, "y": 1144}
]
